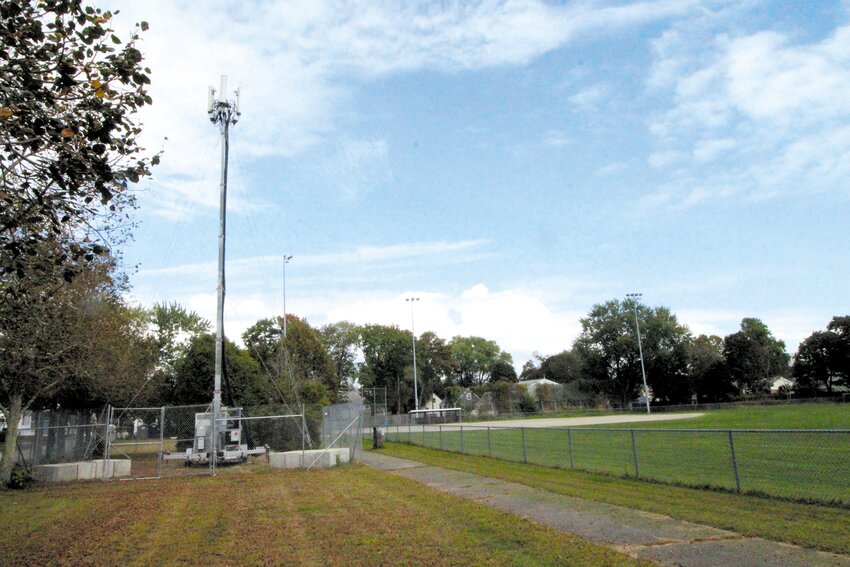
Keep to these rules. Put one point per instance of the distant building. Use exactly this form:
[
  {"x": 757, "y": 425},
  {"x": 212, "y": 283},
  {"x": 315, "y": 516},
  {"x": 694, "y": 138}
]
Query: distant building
[
  {"x": 781, "y": 384},
  {"x": 532, "y": 385},
  {"x": 434, "y": 402}
]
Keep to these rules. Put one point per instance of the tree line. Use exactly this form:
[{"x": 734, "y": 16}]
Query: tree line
[{"x": 604, "y": 361}]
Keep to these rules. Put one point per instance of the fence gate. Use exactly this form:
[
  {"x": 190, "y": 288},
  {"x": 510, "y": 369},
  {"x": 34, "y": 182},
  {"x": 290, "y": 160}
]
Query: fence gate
[{"x": 152, "y": 441}]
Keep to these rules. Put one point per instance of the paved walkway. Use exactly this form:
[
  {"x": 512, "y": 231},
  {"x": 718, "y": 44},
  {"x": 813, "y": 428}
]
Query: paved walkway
[{"x": 640, "y": 534}]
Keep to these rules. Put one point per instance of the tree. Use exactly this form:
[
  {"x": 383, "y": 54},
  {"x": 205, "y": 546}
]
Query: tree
[
  {"x": 665, "y": 343},
  {"x": 196, "y": 372},
  {"x": 342, "y": 341},
  {"x": 74, "y": 343},
  {"x": 67, "y": 154},
  {"x": 822, "y": 361},
  {"x": 609, "y": 356},
  {"x": 608, "y": 350},
  {"x": 262, "y": 341},
  {"x": 307, "y": 358},
  {"x": 709, "y": 375},
  {"x": 435, "y": 366},
  {"x": 475, "y": 358},
  {"x": 841, "y": 353},
  {"x": 754, "y": 357},
  {"x": 503, "y": 370},
  {"x": 563, "y": 368},
  {"x": 386, "y": 353},
  {"x": 69, "y": 141},
  {"x": 173, "y": 328}
]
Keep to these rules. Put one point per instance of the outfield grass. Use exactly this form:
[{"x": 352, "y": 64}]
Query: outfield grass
[
  {"x": 800, "y": 465},
  {"x": 351, "y": 515},
  {"x": 826, "y": 528},
  {"x": 791, "y": 416}
]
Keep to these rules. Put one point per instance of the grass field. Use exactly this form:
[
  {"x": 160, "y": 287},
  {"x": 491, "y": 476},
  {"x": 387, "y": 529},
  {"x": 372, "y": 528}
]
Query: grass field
[
  {"x": 351, "y": 515},
  {"x": 800, "y": 465},
  {"x": 810, "y": 525}
]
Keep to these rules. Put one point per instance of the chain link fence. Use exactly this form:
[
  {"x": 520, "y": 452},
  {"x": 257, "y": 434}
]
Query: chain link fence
[
  {"x": 812, "y": 465},
  {"x": 179, "y": 440},
  {"x": 170, "y": 441},
  {"x": 342, "y": 426}
]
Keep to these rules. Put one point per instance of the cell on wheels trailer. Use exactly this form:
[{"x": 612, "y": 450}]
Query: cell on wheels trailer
[{"x": 231, "y": 449}]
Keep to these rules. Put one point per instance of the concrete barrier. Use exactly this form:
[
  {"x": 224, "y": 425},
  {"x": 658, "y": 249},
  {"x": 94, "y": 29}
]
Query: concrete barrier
[
  {"x": 83, "y": 470},
  {"x": 302, "y": 459}
]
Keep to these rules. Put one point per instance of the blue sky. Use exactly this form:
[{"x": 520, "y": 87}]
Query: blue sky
[{"x": 510, "y": 163}]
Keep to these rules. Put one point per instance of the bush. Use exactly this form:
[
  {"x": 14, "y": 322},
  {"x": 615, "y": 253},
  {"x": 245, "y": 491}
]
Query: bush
[{"x": 22, "y": 478}]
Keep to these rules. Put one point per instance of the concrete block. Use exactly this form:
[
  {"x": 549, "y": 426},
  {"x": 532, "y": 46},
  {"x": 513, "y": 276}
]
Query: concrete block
[
  {"x": 83, "y": 470},
  {"x": 318, "y": 458}
]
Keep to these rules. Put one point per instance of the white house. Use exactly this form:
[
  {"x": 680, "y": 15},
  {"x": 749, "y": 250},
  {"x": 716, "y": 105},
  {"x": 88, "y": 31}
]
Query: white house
[
  {"x": 532, "y": 385},
  {"x": 434, "y": 402}
]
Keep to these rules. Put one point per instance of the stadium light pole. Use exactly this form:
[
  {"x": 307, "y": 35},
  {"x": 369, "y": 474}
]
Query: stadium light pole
[
  {"x": 635, "y": 297},
  {"x": 412, "y": 300},
  {"x": 286, "y": 259}
]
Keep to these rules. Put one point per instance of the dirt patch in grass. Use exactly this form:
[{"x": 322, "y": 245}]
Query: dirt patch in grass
[{"x": 351, "y": 515}]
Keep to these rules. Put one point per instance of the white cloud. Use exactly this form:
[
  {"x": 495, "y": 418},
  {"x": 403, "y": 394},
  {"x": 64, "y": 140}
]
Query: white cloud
[
  {"x": 291, "y": 59},
  {"x": 589, "y": 97},
  {"x": 754, "y": 116}
]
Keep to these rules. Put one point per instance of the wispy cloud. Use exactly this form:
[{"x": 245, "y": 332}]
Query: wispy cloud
[
  {"x": 358, "y": 255},
  {"x": 295, "y": 60},
  {"x": 754, "y": 116},
  {"x": 358, "y": 166}
]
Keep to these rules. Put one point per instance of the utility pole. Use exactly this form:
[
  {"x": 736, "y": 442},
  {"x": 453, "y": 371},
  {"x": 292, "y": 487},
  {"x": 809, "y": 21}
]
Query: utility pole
[
  {"x": 635, "y": 297},
  {"x": 225, "y": 113},
  {"x": 413, "y": 332},
  {"x": 286, "y": 259}
]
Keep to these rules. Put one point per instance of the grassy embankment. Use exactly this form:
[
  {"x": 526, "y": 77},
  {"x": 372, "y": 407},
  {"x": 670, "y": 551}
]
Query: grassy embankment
[
  {"x": 804, "y": 466},
  {"x": 351, "y": 515}
]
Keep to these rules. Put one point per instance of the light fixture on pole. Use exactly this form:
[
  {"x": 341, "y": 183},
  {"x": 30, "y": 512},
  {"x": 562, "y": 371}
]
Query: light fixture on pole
[
  {"x": 413, "y": 332},
  {"x": 286, "y": 259},
  {"x": 635, "y": 297}
]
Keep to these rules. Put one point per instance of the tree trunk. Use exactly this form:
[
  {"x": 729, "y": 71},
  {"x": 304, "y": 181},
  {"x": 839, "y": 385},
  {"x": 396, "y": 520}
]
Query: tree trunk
[{"x": 11, "y": 446}]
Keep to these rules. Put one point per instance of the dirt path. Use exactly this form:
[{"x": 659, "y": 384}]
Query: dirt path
[{"x": 640, "y": 534}]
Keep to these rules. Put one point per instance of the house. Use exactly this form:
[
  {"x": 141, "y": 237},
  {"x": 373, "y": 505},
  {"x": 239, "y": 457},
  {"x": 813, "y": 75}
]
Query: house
[
  {"x": 467, "y": 400},
  {"x": 532, "y": 385},
  {"x": 434, "y": 402}
]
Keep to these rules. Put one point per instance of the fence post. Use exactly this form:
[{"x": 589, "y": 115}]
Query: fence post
[
  {"x": 461, "y": 440},
  {"x": 423, "y": 436},
  {"x": 161, "y": 441},
  {"x": 441, "y": 438},
  {"x": 524, "y": 450},
  {"x": 409, "y": 432},
  {"x": 570, "y": 443},
  {"x": 489, "y": 444},
  {"x": 734, "y": 462},
  {"x": 303, "y": 439},
  {"x": 634, "y": 453},
  {"x": 106, "y": 442}
]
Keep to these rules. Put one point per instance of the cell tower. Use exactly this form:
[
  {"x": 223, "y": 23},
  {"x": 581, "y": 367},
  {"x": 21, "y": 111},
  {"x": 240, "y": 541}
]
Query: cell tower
[{"x": 225, "y": 113}]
